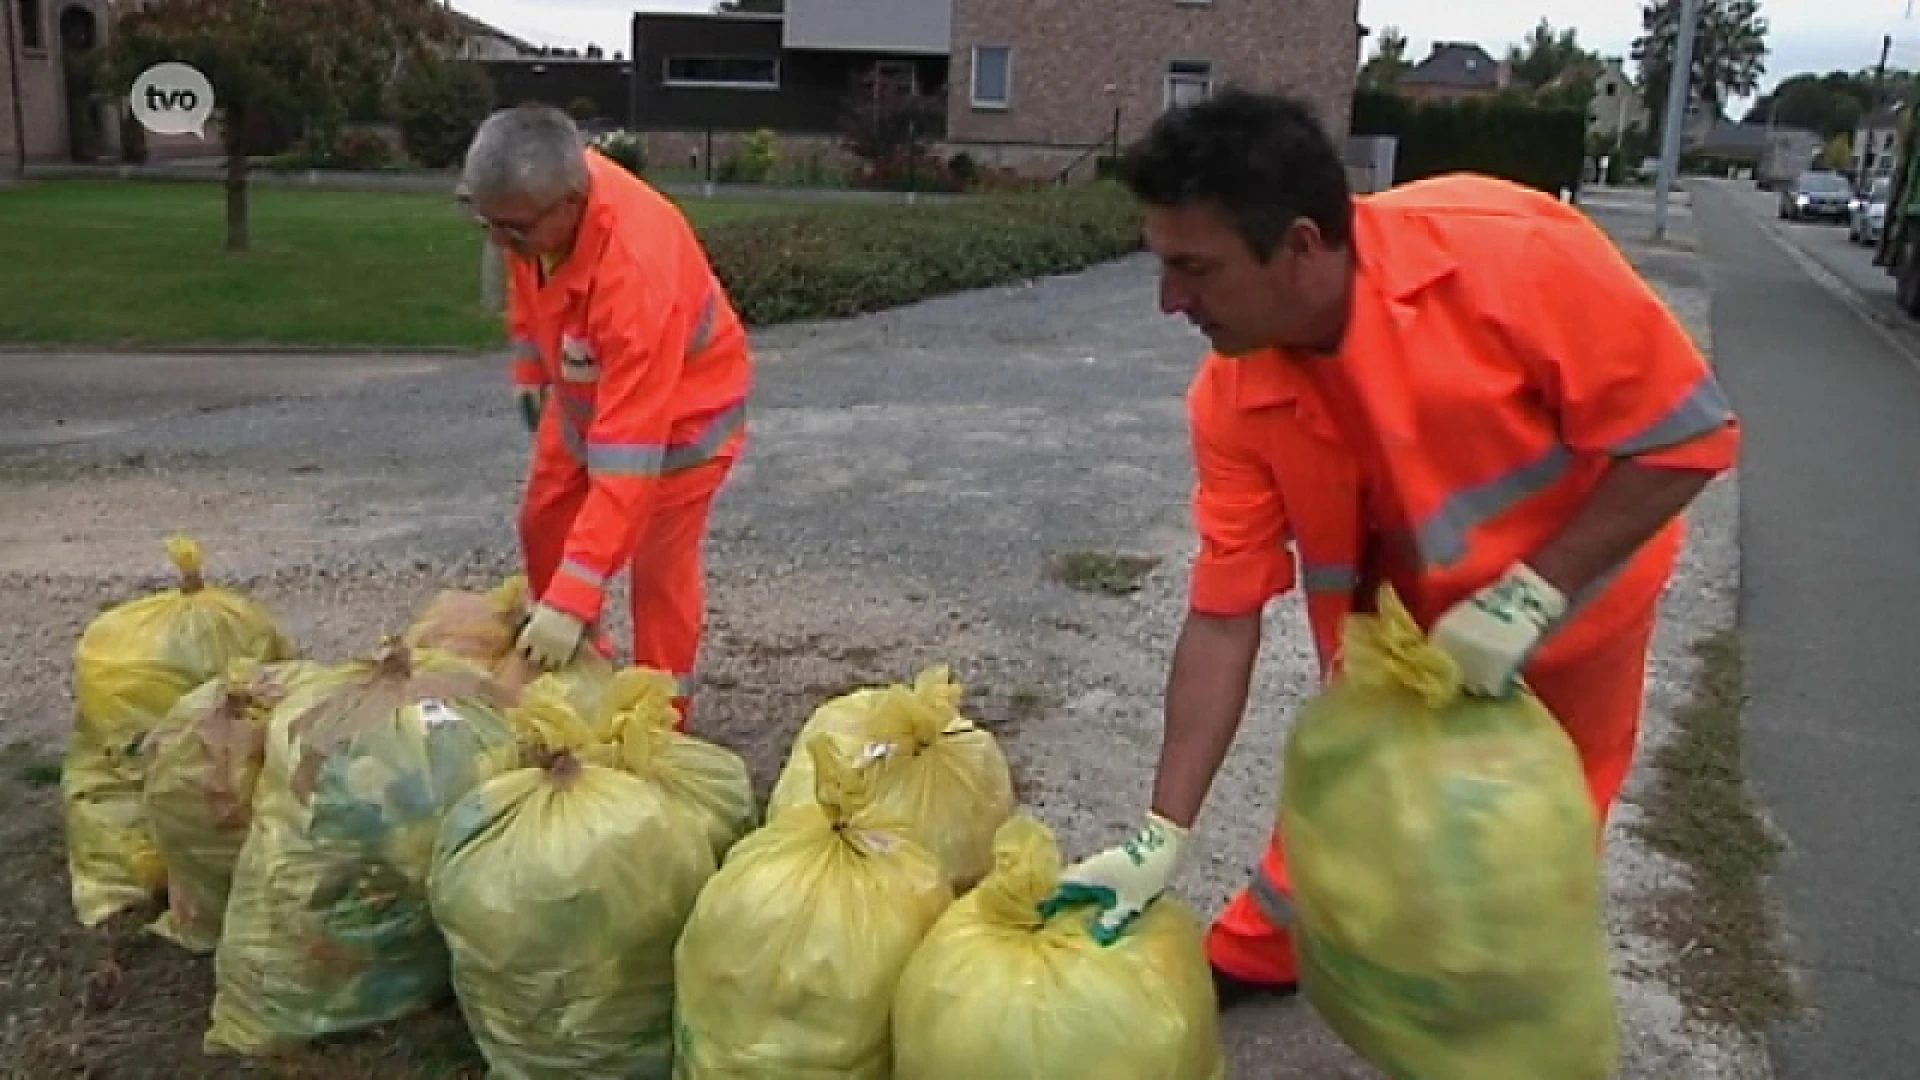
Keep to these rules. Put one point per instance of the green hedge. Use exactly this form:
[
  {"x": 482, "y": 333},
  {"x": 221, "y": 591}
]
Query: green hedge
[
  {"x": 840, "y": 260},
  {"x": 1508, "y": 136}
]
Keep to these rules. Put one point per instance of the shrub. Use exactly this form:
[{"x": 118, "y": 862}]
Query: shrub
[
  {"x": 358, "y": 149},
  {"x": 906, "y": 172},
  {"x": 753, "y": 162},
  {"x": 438, "y": 105},
  {"x": 625, "y": 148},
  {"x": 838, "y": 261}
]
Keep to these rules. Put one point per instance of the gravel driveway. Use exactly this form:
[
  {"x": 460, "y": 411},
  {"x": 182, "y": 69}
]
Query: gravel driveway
[{"x": 911, "y": 474}]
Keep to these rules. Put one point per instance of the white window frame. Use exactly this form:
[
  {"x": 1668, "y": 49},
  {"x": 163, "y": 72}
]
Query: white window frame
[
  {"x": 1187, "y": 73},
  {"x": 667, "y": 79},
  {"x": 973, "y": 80}
]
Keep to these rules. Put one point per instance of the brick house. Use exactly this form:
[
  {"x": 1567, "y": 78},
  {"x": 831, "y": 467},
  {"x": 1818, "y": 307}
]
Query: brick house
[
  {"x": 45, "y": 107},
  {"x": 1029, "y": 84}
]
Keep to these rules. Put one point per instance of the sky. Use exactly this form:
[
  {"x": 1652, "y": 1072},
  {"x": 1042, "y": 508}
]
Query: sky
[{"x": 1805, "y": 35}]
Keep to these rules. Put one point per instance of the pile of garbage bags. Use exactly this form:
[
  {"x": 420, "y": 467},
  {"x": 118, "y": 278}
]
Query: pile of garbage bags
[
  {"x": 603, "y": 895},
  {"x": 356, "y": 841}
]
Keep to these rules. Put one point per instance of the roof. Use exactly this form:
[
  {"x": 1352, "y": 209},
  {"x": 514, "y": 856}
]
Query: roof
[
  {"x": 473, "y": 26},
  {"x": 1881, "y": 119},
  {"x": 1454, "y": 63},
  {"x": 1735, "y": 139}
]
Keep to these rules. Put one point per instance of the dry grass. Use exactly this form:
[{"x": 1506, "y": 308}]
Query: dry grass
[{"x": 1728, "y": 966}]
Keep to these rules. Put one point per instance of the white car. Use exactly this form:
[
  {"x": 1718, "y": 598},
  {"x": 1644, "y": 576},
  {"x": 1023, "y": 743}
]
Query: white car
[{"x": 1867, "y": 214}]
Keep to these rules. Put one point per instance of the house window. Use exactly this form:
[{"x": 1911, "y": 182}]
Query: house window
[
  {"x": 724, "y": 72},
  {"x": 1188, "y": 81},
  {"x": 992, "y": 76},
  {"x": 33, "y": 33}
]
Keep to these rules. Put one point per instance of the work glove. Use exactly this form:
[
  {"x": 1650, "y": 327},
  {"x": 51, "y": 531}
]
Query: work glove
[
  {"x": 551, "y": 637},
  {"x": 1122, "y": 880},
  {"x": 530, "y": 401},
  {"x": 1491, "y": 634}
]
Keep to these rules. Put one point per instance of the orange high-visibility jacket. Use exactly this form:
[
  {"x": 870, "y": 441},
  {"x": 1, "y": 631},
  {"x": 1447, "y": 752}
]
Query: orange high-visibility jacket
[
  {"x": 647, "y": 361},
  {"x": 1502, "y": 352}
]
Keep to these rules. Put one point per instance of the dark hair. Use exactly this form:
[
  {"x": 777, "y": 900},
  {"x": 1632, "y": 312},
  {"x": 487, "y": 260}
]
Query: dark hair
[{"x": 1264, "y": 159}]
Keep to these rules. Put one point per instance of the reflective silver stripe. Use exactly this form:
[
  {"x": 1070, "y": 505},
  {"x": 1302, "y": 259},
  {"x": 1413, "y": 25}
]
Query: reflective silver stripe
[
  {"x": 574, "y": 569},
  {"x": 625, "y": 459},
  {"x": 652, "y": 459},
  {"x": 707, "y": 443},
  {"x": 1704, "y": 409},
  {"x": 1329, "y": 577},
  {"x": 703, "y": 330},
  {"x": 1270, "y": 900},
  {"x": 1442, "y": 537}
]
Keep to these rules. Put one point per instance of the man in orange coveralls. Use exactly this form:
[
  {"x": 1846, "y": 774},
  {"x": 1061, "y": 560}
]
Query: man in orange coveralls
[
  {"x": 1458, "y": 387},
  {"x": 631, "y": 368}
]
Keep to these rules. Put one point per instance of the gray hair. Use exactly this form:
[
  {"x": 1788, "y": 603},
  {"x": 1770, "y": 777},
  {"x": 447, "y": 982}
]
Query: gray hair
[{"x": 528, "y": 150}]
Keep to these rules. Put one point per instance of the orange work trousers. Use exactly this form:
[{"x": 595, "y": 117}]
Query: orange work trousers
[
  {"x": 1597, "y": 696},
  {"x": 667, "y": 582}
]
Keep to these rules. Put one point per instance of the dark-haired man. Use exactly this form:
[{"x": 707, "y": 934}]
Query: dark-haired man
[{"x": 1458, "y": 387}]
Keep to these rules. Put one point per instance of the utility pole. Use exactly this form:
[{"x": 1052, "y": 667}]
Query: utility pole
[
  {"x": 1879, "y": 102},
  {"x": 1679, "y": 89}
]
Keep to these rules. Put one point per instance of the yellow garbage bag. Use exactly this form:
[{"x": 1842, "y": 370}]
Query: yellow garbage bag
[
  {"x": 994, "y": 990},
  {"x": 636, "y": 710},
  {"x": 562, "y": 886},
  {"x": 787, "y": 968},
  {"x": 483, "y": 627},
  {"x": 201, "y": 768},
  {"x": 945, "y": 778},
  {"x": 478, "y": 626},
  {"x": 1446, "y": 871},
  {"x": 132, "y": 663},
  {"x": 328, "y": 928}
]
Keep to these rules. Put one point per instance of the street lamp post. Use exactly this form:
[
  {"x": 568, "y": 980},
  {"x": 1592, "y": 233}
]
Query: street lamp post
[{"x": 1678, "y": 89}]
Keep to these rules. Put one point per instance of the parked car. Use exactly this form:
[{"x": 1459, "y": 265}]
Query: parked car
[
  {"x": 1820, "y": 195},
  {"x": 1869, "y": 212}
]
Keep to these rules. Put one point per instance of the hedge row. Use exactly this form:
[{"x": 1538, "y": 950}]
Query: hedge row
[
  {"x": 1542, "y": 146},
  {"x": 841, "y": 260}
]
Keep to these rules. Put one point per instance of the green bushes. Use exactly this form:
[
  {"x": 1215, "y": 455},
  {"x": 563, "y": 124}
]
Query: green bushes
[
  {"x": 837, "y": 261},
  {"x": 1511, "y": 137},
  {"x": 438, "y": 104}
]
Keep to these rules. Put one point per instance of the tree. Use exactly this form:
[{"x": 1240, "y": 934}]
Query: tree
[
  {"x": 1549, "y": 59},
  {"x": 1831, "y": 104},
  {"x": 296, "y": 57},
  {"x": 1838, "y": 153},
  {"x": 1729, "y": 52},
  {"x": 1388, "y": 62},
  {"x": 438, "y": 103},
  {"x": 887, "y": 122}
]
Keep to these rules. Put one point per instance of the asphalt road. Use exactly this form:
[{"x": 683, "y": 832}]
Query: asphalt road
[{"x": 1830, "y": 614}]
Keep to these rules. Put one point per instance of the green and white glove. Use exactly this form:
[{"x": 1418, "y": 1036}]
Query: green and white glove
[
  {"x": 1122, "y": 881},
  {"x": 1491, "y": 634},
  {"x": 551, "y": 637}
]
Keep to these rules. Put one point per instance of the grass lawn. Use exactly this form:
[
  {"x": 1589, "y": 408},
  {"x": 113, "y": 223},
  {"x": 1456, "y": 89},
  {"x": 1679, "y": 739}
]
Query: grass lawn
[{"x": 107, "y": 263}]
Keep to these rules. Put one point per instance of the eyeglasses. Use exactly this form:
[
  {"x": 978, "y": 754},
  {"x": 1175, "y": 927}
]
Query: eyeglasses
[{"x": 515, "y": 231}]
